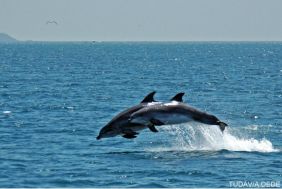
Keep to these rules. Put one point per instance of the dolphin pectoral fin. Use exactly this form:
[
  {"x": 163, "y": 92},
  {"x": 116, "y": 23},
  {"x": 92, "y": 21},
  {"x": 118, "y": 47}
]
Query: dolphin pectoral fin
[
  {"x": 177, "y": 97},
  {"x": 149, "y": 97},
  {"x": 156, "y": 122},
  {"x": 222, "y": 125},
  {"x": 129, "y": 136},
  {"x": 129, "y": 132},
  {"x": 152, "y": 128}
]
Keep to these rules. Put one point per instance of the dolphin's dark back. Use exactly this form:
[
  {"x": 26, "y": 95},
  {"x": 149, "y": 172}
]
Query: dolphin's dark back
[{"x": 126, "y": 113}]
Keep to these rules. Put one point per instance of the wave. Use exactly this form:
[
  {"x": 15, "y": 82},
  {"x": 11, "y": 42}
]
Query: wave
[{"x": 203, "y": 138}]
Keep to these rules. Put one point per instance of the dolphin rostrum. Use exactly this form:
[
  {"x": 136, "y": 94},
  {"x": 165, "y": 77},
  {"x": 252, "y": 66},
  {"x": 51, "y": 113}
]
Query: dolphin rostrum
[
  {"x": 120, "y": 124},
  {"x": 175, "y": 112}
]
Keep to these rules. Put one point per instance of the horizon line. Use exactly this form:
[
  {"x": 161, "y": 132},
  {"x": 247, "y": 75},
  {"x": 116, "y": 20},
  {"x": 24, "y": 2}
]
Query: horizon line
[{"x": 144, "y": 41}]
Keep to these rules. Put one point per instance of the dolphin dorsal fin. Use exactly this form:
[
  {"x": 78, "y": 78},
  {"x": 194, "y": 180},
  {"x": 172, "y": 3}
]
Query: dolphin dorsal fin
[
  {"x": 149, "y": 97},
  {"x": 178, "y": 97}
]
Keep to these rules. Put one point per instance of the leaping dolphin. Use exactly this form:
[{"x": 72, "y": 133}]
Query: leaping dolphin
[
  {"x": 120, "y": 124},
  {"x": 174, "y": 112}
]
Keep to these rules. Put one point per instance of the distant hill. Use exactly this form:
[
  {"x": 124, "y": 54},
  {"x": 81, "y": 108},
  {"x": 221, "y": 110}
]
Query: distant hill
[{"x": 5, "y": 38}]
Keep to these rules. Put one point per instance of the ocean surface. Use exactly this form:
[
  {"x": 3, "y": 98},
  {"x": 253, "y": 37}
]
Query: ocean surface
[{"x": 55, "y": 97}]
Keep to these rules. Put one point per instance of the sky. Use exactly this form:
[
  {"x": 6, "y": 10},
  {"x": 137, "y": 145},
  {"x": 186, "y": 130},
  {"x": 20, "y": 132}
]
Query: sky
[{"x": 142, "y": 20}]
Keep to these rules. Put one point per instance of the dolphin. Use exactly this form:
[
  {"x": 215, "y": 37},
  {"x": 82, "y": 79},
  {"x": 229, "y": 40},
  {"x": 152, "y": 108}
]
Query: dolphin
[
  {"x": 174, "y": 112},
  {"x": 120, "y": 124}
]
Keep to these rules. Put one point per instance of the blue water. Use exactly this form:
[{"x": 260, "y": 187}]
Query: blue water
[{"x": 55, "y": 97}]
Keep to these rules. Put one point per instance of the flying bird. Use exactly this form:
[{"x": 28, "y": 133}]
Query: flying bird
[{"x": 52, "y": 22}]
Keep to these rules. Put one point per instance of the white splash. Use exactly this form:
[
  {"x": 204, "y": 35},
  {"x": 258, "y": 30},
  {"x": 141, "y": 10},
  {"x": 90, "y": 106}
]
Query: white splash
[
  {"x": 252, "y": 127},
  {"x": 7, "y": 112},
  {"x": 210, "y": 138}
]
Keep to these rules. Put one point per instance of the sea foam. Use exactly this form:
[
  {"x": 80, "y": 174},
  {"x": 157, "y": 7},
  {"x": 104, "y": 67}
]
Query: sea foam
[{"x": 210, "y": 138}]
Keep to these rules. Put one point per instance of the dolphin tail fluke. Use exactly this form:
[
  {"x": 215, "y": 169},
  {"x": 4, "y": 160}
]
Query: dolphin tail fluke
[{"x": 222, "y": 125}]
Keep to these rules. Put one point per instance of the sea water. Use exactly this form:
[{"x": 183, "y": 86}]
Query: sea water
[{"x": 55, "y": 97}]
